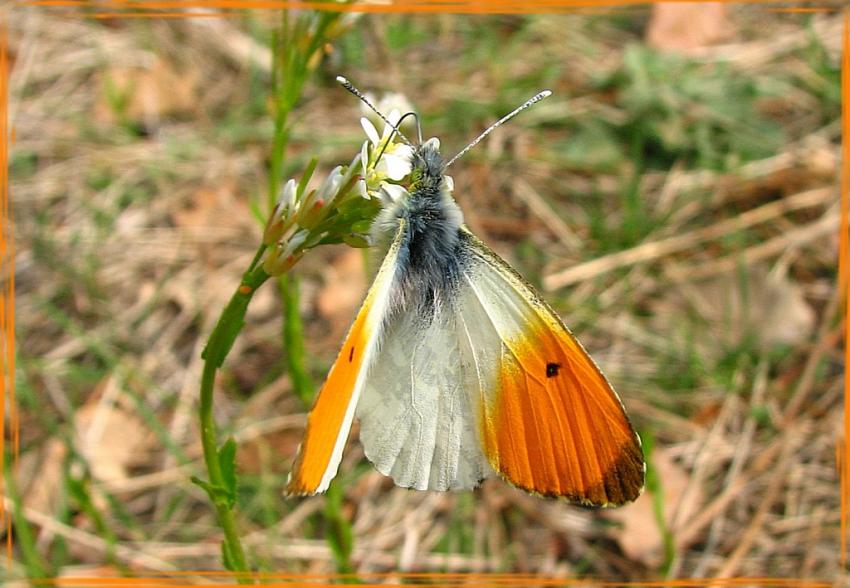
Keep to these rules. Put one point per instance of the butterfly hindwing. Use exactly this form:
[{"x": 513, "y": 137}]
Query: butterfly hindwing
[
  {"x": 416, "y": 423},
  {"x": 548, "y": 420}
]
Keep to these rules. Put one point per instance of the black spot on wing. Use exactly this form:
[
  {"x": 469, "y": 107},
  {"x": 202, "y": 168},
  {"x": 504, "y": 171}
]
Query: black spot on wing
[{"x": 552, "y": 369}]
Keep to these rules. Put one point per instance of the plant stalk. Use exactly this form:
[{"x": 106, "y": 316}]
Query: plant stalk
[{"x": 221, "y": 340}]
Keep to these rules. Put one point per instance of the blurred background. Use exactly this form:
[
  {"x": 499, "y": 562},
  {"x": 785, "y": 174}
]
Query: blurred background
[{"x": 676, "y": 201}]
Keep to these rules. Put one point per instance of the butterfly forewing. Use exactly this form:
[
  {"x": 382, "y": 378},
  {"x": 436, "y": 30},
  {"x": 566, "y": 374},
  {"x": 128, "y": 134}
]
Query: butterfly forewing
[
  {"x": 547, "y": 418},
  {"x": 330, "y": 418}
]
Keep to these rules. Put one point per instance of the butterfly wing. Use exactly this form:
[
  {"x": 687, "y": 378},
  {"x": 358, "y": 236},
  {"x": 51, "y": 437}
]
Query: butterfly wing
[
  {"x": 488, "y": 380},
  {"x": 416, "y": 422},
  {"x": 548, "y": 420},
  {"x": 330, "y": 418}
]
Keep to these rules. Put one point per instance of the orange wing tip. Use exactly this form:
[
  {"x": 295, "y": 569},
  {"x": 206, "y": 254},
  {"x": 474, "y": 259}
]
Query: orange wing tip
[
  {"x": 624, "y": 481},
  {"x": 621, "y": 484},
  {"x": 296, "y": 487},
  {"x": 292, "y": 491}
]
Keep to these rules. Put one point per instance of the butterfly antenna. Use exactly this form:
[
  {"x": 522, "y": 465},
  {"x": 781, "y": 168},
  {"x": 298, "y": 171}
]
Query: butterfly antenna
[
  {"x": 350, "y": 87},
  {"x": 533, "y": 100},
  {"x": 396, "y": 131},
  {"x": 418, "y": 125}
]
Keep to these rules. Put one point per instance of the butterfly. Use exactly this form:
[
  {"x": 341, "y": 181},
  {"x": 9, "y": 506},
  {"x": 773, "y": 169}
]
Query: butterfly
[{"x": 458, "y": 370}]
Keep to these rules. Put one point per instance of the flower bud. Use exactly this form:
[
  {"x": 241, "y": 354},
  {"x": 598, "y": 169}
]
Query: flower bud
[
  {"x": 310, "y": 217},
  {"x": 278, "y": 265},
  {"x": 294, "y": 242},
  {"x": 281, "y": 217},
  {"x": 285, "y": 254}
]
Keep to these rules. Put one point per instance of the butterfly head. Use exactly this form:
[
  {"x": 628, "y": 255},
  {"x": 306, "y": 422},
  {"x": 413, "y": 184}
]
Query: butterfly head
[
  {"x": 424, "y": 198},
  {"x": 427, "y": 167}
]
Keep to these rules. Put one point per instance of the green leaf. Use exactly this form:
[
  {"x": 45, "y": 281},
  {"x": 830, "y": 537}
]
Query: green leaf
[
  {"x": 206, "y": 486},
  {"x": 227, "y": 462},
  {"x": 305, "y": 177}
]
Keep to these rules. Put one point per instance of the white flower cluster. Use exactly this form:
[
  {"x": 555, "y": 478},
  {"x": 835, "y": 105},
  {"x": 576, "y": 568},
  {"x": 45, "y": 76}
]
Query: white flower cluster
[
  {"x": 303, "y": 218},
  {"x": 382, "y": 170}
]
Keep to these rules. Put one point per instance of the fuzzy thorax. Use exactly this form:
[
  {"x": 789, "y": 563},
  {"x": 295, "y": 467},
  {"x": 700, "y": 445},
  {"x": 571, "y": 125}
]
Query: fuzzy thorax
[
  {"x": 428, "y": 259},
  {"x": 428, "y": 205}
]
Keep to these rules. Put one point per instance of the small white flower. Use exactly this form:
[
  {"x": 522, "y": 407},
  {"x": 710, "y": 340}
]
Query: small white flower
[
  {"x": 392, "y": 193},
  {"x": 394, "y": 101},
  {"x": 370, "y": 130},
  {"x": 390, "y": 102},
  {"x": 364, "y": 157},
  {"x": 395, "y": 162},
  {"x": 383, "y": 158},
  {"x": 393, "y": 117},
  {"x": 363, "y": 189},
  {"x": 287, "y": 196},
  {"x": 331, "y": 185},
  {"x": 283, "y": 214}
]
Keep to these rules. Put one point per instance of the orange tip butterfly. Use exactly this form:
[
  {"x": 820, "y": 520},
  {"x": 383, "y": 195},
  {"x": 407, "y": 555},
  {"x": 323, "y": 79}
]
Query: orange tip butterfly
[{"x": 458, "y": 370}]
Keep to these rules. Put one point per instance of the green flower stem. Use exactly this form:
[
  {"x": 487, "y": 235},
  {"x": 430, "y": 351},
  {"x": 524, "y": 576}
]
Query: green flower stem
[
  {"x": 293, "y": 340},
  {"x": 339, "y": 534},
  {"x": 221, "y": 340},
  {"x": 295, "y": 46}
]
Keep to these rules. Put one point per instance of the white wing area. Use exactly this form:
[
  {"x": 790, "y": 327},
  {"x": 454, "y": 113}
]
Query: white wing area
[
  {"x": 416, "y": 422},
  {"x": 421, "y": 407},
  {"x": 495, "y": 308}
]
